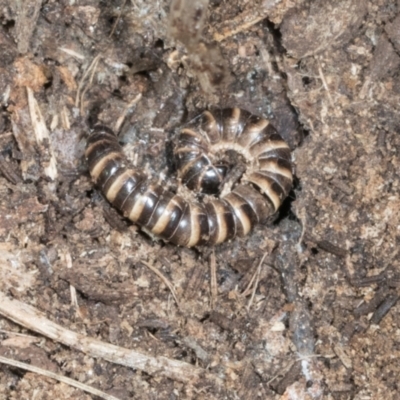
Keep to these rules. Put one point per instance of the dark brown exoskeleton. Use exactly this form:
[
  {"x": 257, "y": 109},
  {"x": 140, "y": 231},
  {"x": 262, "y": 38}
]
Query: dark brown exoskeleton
[{"x": 199, "y": 152}]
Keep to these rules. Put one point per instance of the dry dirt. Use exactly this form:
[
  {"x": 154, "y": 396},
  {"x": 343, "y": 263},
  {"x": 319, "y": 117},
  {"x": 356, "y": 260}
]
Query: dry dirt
[{"x": 304, "y": 307}]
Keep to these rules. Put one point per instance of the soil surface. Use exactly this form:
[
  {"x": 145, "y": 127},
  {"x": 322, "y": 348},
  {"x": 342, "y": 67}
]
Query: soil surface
[{"x": 305, "y": 306}]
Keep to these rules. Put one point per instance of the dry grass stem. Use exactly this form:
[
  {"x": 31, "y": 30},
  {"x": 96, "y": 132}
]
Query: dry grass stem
[
  {"x": 82, "y": 87},
  {"x": 241, "y": 23},
  {"x": 31, "y": 318},
  {"x": 213, "y": 281},
  {"x": 257, "y": 278},
  {"x": 118, "y": 19},
  {"x": 121, "y": 118},
  {"x": 60, "y": 378},
  {"x": 249, "y": 287},
  {"x": 325, "y": 84},
  {"x": 41, "y": 134},
  {"x": 164, "y": 279}
]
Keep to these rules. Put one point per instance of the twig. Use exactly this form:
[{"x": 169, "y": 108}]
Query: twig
[
  {"x": 164, "y": 279},
  {"x": 72, "y": 289},
  {"x": 213, "y": 282},
  {"x": 60, "y": 378},
  {"x": 92, "y": 66},
  {"x": 241, "y": 23},
  {"x": 248, "y": 289},
  {"x": 121, "y": 118},
  {"x": 117, "y": 20},
  {"x": 325, "y": 84},
  {"x": 31, "y": 318},
  {"x": 288, "y": 367},
  {"x": 274, "y": 10},
  {"x": 93, "y": 70},
  {"x": 41, "y": 134},
  {"x": 256, "y": 281},
  {"x": 72, "y": 53}
]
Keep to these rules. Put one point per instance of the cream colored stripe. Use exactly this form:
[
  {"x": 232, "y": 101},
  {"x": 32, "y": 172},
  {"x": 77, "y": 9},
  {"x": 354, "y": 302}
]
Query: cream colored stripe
[
  {"x": 244, "y": 220},
  {"x": 236, "y": 204},
  {"x": 222, "y": 227},
  {"x": 236, "y": 114},
  {"x": 230, "y": 125},
  {"x": 198, "y": 136},
  {"x": 189, "y": 165},
  {"x": 162, "y": 222},
  {"x": 265, "y": 187},
  {"x": 95, "y": 144},
  {"x": 211, "y": 128},
  {"x": 138, "y": 207},
  {"x": 269, "y": 146},
  {"x": 234, "y": 118},
  {"x": 251, "y": 132},
  {"x": 98, "y": 168},
  {"x": 210, "y": 119},
  {"x": 192, "y": 163},
  {"x": 278, "y": 180},
  {"x": 187, "y": 150},
  {"x": 117, "y": 185},
  {"x": 195, "y": 230},
  {"x": 272, "y": 166}
]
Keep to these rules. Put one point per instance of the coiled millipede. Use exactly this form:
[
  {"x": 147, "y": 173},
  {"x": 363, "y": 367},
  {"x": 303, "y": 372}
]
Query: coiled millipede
[{"x": 202, "y": 162}]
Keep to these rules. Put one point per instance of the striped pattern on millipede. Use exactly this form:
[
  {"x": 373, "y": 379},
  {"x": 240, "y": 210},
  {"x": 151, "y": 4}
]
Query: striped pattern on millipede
[{"x": 200, "y": 146}]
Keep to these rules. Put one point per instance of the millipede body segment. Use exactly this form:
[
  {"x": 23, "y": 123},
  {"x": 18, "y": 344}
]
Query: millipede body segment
[{"x": 209, "y": 216}]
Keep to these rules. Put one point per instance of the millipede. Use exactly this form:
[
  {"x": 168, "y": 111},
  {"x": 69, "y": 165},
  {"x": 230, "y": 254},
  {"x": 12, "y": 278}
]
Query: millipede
[{"x": 206, "y": 151}]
